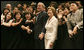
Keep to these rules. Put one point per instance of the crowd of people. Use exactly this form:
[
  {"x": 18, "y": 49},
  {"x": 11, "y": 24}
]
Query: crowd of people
[{"x": 36, "y": 26}]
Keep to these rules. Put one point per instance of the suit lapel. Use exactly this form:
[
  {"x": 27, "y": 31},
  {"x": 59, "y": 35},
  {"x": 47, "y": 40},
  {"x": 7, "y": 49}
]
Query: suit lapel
[{"x": 39, "y": 16}]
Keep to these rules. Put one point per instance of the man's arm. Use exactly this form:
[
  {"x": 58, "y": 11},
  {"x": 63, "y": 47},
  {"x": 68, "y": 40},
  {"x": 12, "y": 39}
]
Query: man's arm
[
  {"x": 69, "y": 26},
  {"x": 81, "y": 17}
]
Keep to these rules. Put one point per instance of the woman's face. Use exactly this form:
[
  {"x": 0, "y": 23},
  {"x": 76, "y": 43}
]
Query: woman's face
[
  {"x": 19, "y": 5},
  {"x": 18, "y": 16},
  {"x": 50, "y": 13},
  {"x": 28, "y": 16},
  {"x": 60, "y": 6},
  {"x": 15, "y": 10},
  {"x": 30, "y": 10},
  {"x": 61, "y": 11},
  {"x": 24, "y": 6},
  {"x": 6, "y": 11},
  {"x": 66, "y": 11},
  {"x": 8, "y": 16}
]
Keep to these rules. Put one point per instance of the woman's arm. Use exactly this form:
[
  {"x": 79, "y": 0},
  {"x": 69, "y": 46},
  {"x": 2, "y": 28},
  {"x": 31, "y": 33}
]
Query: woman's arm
[
  {"x": 55, "y": 29},
  {"x": 65, "y": 19},
  {"x": 23, "y": 27},
  {"x": 15, "y": 24},
  {"x": 7, "y": 24}
]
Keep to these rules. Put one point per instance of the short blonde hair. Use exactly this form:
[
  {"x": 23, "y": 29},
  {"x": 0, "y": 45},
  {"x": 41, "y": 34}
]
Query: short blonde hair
[{"x": 53, "y": 10}]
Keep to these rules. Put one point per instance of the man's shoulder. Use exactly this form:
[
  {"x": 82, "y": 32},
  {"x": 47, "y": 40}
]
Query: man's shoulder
[
  {"x": 79, "y": 10},
  {"x": 44, "y": 12}
]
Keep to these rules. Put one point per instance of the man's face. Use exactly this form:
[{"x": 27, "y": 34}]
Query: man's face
[
  {"x": 73, "y": 7},
  {"x": 39, "y": 7},
  {"x": 8, "y": 6}
]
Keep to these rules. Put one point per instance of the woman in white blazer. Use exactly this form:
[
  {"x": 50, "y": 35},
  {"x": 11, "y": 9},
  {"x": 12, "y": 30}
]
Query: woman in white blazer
[{"x": 51, "y": 29}]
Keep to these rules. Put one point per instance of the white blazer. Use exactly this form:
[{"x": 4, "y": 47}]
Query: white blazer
[{"x": 51, "y": 29}]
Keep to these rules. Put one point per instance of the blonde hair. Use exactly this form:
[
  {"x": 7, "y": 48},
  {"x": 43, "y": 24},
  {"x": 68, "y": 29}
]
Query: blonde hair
[{"x": 53, "y": 10}]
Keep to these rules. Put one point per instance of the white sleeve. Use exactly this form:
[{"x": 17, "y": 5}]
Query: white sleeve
[{"x": 54, "y": 33}]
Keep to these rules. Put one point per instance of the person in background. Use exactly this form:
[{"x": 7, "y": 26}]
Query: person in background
[
  {"x": 7, "y": 22},
  {"x": 9, "y": 7},
  {"x": 3, "y": 15},
  {"x": 53, "y": 4},
  {"x": 27, "y": 28},
  {"x": 75, "y": 26},
  {"x": 19, "y": 7},
  {"x": 30, "y": 9},
  {"x": 67, "y": 4},
  {"x": 62, "y": 30},
  {"x": 59, "y": 7},
  {"x": 79, "y": 4},
  {"x": 14, "y": 11},
  {"x": 17, "y": 35},
  {"x": 6, "y": 31},
  {"x": 24, "y": 8}
]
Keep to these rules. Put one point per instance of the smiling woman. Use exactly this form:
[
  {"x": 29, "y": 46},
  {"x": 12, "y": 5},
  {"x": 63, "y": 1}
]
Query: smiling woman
[{"x": 51, "y": 34}]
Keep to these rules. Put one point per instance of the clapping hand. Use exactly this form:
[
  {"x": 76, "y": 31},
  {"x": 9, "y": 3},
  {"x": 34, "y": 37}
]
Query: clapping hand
[
  {"x": 71, "y": 34},
  {"x": 75, "y": 30},
  {"x": 29, "y": 31}
]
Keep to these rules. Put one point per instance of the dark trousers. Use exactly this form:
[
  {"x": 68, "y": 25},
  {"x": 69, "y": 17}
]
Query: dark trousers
[
  {"x": 38, "y": 44},
  {"x": 77, "y": 40}
]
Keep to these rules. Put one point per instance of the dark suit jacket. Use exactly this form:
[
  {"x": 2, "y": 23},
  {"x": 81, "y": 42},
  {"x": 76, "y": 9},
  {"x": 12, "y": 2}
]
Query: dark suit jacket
[{"x": 40, "y": 24}]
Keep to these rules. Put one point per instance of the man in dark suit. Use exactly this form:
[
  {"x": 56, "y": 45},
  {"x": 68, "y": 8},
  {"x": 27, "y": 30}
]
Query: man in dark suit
[{"x": 41, "y": 19}]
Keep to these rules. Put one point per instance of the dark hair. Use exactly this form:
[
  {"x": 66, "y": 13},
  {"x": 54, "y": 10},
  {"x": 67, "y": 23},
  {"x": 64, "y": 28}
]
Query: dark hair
[
  {"x": 54, "y": 4},
  {"x": 73, "y": 2},
  {"x": 67, "y": 8},
  {"x": 24, "y": 4},
  {"x": 6, "y": 16},
  {"x": 15, "y": 7},
  {"x": 32, "y": 7},
  {"x": 16, "y": 14},
  {"x": 28, "y": 14},
  {"x": 5, "y": 9}
]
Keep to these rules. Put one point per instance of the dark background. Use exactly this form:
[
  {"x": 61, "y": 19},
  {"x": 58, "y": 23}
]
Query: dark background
[{"x": 14, "y": 3}]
